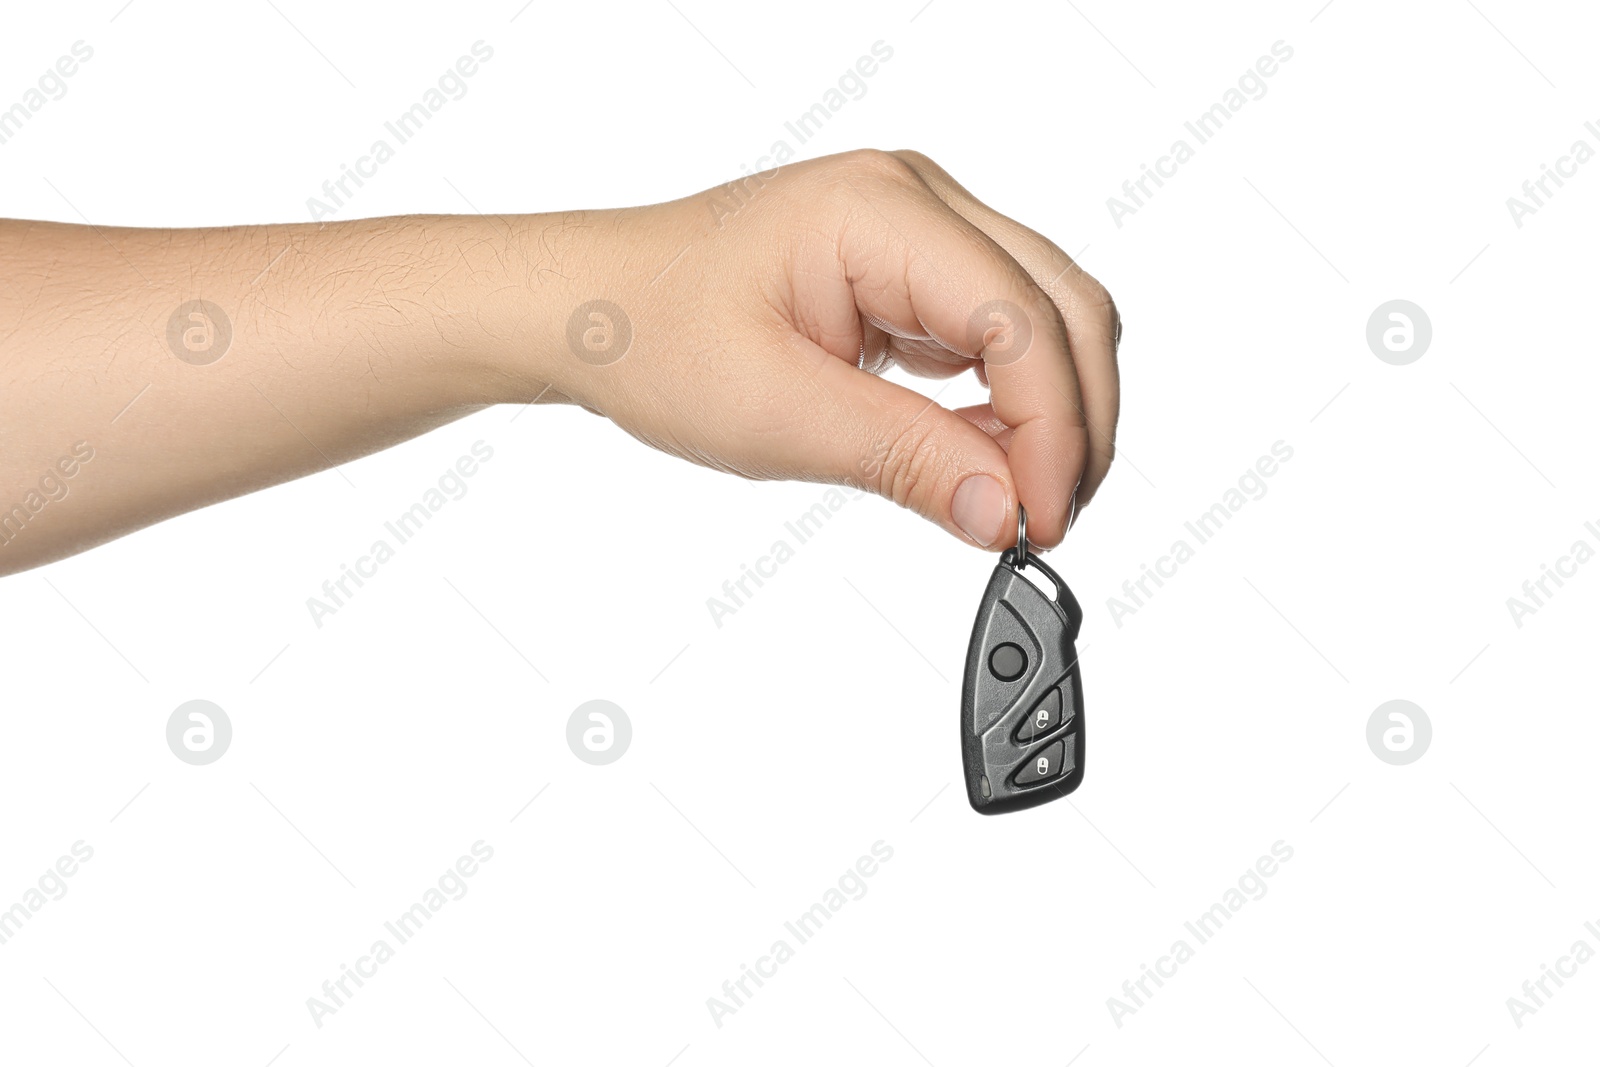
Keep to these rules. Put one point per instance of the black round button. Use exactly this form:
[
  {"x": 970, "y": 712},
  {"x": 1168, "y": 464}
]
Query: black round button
[{"x": 1008, "y": 662}]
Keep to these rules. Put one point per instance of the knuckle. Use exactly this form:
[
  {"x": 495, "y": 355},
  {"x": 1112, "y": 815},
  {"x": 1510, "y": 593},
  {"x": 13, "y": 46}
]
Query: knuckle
[
  {"x": 875, "y": 164},
  {"x": 918, "y": 161},
  {"x": 910, "y": 464},
  {"x": 1090, "y": 295},
  {"x": 1089, "y": 304}
]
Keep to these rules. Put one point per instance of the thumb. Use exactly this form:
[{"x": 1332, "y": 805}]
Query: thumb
[{"x": 899, "y": 444}]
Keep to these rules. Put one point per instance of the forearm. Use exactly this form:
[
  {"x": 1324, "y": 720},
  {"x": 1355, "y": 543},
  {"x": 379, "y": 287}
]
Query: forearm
[
  {"x": 319, "y": 344},
  {"x": 746, "y": 338}
]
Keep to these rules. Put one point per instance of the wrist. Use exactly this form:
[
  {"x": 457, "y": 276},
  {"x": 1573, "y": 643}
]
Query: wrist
[
  {"x": 532, "y": 280},
  {"x": 578, "y": 286},
  {"x": 487, "y": 326}
]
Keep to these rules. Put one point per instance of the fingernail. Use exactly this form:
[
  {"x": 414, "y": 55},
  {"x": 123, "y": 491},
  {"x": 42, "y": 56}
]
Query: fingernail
[
  {"x": 979, "y": 508},
  {"x": 1072, "y": 505}
]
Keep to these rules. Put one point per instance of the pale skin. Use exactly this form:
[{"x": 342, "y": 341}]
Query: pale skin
[{"x": 756, "y": 336}]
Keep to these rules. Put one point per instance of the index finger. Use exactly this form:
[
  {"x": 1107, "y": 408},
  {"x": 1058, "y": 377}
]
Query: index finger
[
  {"x": 1094, "y": 327},
  {"x": 920, "y": 270}
]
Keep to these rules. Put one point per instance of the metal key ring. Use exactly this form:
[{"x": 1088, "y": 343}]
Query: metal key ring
[{"x": 1022, "y": 536}]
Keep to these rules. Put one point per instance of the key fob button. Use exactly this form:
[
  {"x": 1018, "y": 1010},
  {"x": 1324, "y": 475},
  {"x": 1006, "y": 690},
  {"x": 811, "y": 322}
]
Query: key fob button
[
  {"x": 1008, "y": 662},
  {"x": 1042, "y": 766},
  {"x": 1045, "y": 716}
]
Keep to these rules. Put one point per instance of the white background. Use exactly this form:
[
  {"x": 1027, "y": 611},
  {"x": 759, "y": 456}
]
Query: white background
[{"x": 768, "y": 754}]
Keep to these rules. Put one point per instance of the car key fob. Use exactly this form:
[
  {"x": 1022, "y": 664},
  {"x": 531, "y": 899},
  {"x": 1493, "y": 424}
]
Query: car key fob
[{"x": 1021, "y": 700}]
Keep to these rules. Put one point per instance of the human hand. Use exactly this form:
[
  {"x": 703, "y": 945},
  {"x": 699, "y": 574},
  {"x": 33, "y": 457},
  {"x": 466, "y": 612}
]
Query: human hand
[{"x": 743, "y": 329}]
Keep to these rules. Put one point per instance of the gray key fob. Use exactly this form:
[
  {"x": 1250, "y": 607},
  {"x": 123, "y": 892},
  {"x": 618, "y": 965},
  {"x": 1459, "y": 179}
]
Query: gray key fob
[{"x": 1021, "y": 700}]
